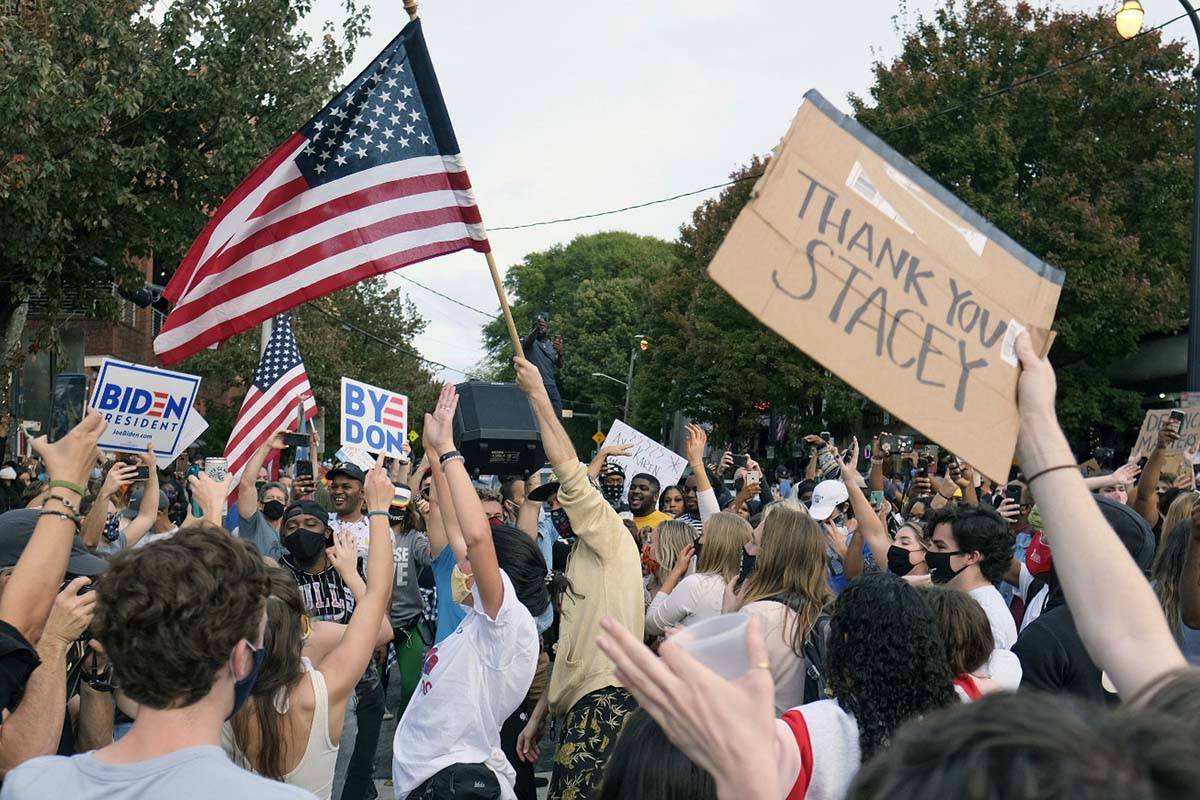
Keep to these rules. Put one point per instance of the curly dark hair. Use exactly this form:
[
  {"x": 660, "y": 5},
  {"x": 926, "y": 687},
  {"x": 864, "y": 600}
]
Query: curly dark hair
[
  {"x": 169, "y": 614},
  {"x": 886, "y": 661},
  {"x": 977, "y": 529}
]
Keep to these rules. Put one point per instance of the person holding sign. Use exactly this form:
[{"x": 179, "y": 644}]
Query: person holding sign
[{"x": 605, "y": 571}]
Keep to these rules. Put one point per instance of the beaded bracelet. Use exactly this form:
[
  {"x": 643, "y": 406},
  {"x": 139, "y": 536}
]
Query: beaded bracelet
[
  {"x": 72, "y": 518},
  {"x": 64, "y": 501}
]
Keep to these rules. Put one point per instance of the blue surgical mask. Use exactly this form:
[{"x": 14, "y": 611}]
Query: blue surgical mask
[{"x": 243, "y": 687}]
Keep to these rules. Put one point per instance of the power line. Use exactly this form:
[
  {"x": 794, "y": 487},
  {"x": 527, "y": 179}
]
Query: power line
[
  {"x": 448, "y": 297},
  {"x": 940, "y": 113},
  {"x": 399, "y": 348}
]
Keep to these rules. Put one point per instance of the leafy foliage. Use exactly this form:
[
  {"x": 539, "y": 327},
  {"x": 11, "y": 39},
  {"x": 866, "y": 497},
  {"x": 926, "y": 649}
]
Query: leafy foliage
[
  {"x": 329, "y": 352},
  {"x": 1088, "y": 167}
]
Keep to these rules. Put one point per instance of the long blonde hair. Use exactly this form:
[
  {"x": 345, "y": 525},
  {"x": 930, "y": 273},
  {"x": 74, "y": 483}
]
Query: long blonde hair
[
  {"x": 670, "y": 538},
  {"x": 725, "y": 535},
  {"x": 1181, "y": 509},
  {"x": 791, "y": 562}
]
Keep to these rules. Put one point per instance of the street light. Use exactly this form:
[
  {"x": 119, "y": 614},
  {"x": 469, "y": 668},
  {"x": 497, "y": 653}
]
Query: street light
[
  {"x": 1129, "y": 23},
  {"x": 640, "y": 342}
]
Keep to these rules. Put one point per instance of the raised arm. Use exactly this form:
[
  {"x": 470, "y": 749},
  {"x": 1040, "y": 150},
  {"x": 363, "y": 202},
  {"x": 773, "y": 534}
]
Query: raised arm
[
  {"x": 477, "y": 533},
  {"x": 119, "y": 474},
  {"x": 344, "y": 666},
  {"x": 706, "y": 498},
  {"x": 530, "y": 512},
  {"x": 1146, "y": 503},
  {"x": 445, "y": 506},
  {"x": 555, "y": 440},
  {"x": 148, "y": 508},
  {"x": 875, "y": 479},
  {"x": 605, "y": 453},
  {"x": 1125, "y": 474},
  {"x": 1119, "y": 618},
  {"x": 869, "y": 527},
  {"x": 35, "y": 579},
  {"x": 210, "y": 496},
  {"x": 247, "y": 495}
]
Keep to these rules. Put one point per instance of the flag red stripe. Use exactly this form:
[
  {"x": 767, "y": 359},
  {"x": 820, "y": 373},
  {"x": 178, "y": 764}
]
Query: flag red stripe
[
  {"x": 392, "y": 190},
  {"x": 280, "y": 195},
  {"x": 264, "y": 408},
  {"x": 309, "y": 414},
  {"x": 182, "y": 277},
  {"x": 278, "y": 421},
  {"x": 266, "y": 275},
  {"x": 243, "y": 322}
]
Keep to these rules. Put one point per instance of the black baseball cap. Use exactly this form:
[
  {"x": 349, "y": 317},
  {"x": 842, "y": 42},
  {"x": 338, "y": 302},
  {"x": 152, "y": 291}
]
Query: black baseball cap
[
  {"x": 309, "y": 508},
  {"x": 351, "y": 471},
  {"x": 542, "y": 493},
  {"x": 16, "y": 528}
]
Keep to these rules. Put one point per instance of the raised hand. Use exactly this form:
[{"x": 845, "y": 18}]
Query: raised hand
[
  {"x": 71, "y": 614},
  {"x": 378, "y": 488},
  {"x": 697, "y": 441},
  {"x": 1126, "y": 474},
  {"x": 439, "y": 426},
  {"x": 528, "y": 378},
  {"x": 344, "y": 553},
  {"x": 72, "y": 457},
  {"x": 119, "y": 474},
  {"x": 850, "y": 466}
]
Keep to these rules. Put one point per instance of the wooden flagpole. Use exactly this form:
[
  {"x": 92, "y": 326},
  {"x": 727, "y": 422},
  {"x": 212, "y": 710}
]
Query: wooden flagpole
[{"x": 411, "y": 7}]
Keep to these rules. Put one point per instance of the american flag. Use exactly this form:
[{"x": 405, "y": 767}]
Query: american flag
[
  {"x": 372, "y": 183},
  {"x": 395, "y": 412},
  {"x": 270, "y": 405},
  {"x": 160, "y": 403}
]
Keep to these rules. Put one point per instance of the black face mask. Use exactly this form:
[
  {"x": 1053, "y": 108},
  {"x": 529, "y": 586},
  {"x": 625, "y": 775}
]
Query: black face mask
[
  {"x": 940, "y": 571},
  {"x": 612, "y": 493},
  {"x": 273, "y": 510},
  {"x": 304, "y": 546},
  {"x": 898, "y": 561},
  {"x": 562, "y": 523}
]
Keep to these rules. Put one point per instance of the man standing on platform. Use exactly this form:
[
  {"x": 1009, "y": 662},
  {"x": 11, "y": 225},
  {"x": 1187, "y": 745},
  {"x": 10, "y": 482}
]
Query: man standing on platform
[{"x": 547, "y": 356}]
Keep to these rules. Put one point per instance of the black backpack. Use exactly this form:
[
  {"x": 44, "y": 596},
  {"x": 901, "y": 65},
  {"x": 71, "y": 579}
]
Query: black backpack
[{"x": 816, "y": 684}]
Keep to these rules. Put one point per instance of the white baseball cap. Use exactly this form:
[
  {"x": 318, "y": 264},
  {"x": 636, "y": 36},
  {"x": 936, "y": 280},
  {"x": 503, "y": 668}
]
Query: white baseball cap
[
  {"x": 8, "y": 473},
  {"x": 826, "y": 498}
]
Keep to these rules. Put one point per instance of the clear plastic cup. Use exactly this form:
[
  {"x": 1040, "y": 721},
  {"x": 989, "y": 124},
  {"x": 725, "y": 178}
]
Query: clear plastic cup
[{"x": 718, "y": 643}]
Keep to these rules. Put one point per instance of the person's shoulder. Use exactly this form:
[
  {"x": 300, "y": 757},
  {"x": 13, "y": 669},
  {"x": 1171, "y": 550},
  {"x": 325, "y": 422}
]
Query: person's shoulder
[
  {"x": 211, "y": 768},
  {"x": 35, "y": 777}
]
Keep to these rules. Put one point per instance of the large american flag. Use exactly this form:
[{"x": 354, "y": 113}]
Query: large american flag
[
  {"x": 372, "y": 183},
  {"x": 280, "y": 383}
]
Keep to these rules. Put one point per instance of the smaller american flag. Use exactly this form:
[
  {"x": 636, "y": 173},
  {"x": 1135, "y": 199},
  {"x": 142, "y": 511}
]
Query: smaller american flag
[
  {"x": 160, "y": 403},
  {"x": 270, "y": 405},
  {"x": 395, "y": 412}
]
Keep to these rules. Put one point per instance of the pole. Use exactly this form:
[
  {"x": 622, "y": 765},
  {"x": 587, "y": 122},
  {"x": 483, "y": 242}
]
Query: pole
[
  {"x": 629, "y": 382},
  {"x": 1193, "y": 356},
  {"x": 508, "y": 320},
  {"x": 411, "y": 7}
]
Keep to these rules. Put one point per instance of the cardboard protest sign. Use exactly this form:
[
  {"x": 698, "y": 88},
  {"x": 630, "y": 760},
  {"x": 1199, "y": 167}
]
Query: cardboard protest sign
[
  {"x": 647, "y": 456},
  {"x": 193, "y": 427},
  {"x": 373, "y": 419},
  {"x": 866, "y": 264},
  {"x": 1189, "y": 433},
  {"x": 144, "y": 406}
]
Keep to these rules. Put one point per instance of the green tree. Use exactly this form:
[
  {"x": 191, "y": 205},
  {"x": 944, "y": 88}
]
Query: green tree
[
  {"x": 597, "y": 292},
  {"x": 715, "y": 361},
  {"x": 1088, "y": 167},
  {"x": 330, "y": 351},
  {"x": 122, "y": 134}
]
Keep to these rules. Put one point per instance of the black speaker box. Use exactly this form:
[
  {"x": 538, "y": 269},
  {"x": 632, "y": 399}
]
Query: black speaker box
[{"x": 496, "y": 430}]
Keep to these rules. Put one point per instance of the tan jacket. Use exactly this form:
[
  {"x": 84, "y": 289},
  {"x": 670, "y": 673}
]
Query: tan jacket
[{"x": 605, "y": 569}]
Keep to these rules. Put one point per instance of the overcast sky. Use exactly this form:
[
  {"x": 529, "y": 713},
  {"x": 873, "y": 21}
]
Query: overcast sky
[{"x": 565, "y": 108}]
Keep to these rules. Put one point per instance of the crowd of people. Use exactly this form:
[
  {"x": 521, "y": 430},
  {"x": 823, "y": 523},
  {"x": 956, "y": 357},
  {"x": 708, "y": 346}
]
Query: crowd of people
[{"x": 914, "y": 629}]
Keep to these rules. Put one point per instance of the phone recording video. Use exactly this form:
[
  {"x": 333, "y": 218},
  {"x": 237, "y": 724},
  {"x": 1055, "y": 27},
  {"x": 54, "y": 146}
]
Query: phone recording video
[{"x": 67, "y": 404}]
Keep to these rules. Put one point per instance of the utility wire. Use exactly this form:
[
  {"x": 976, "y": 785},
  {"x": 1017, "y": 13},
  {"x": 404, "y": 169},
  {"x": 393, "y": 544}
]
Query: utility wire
[
  {"x": 418, "y": 284},
  {"x": 940, "y": 113},
  {"x": 399, "y": 348}
]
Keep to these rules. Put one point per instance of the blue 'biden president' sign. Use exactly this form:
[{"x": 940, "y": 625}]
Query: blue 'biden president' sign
[{"x": 143, "y": 406}]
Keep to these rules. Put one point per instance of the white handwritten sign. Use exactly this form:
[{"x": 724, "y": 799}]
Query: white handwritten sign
[{"x": 647, "y": 456}]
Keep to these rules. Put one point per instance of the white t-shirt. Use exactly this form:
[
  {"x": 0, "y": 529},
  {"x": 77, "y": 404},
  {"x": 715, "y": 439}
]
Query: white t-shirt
[
  {"x": 471, "y": 682},
  {"x": 1004, "y": 628},
  {"x": 1035, "y": 605},
  {"x": 696, "y": 597},
  {"x": 156, "y": 537},
  {"x": 818, "y": 750}
]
